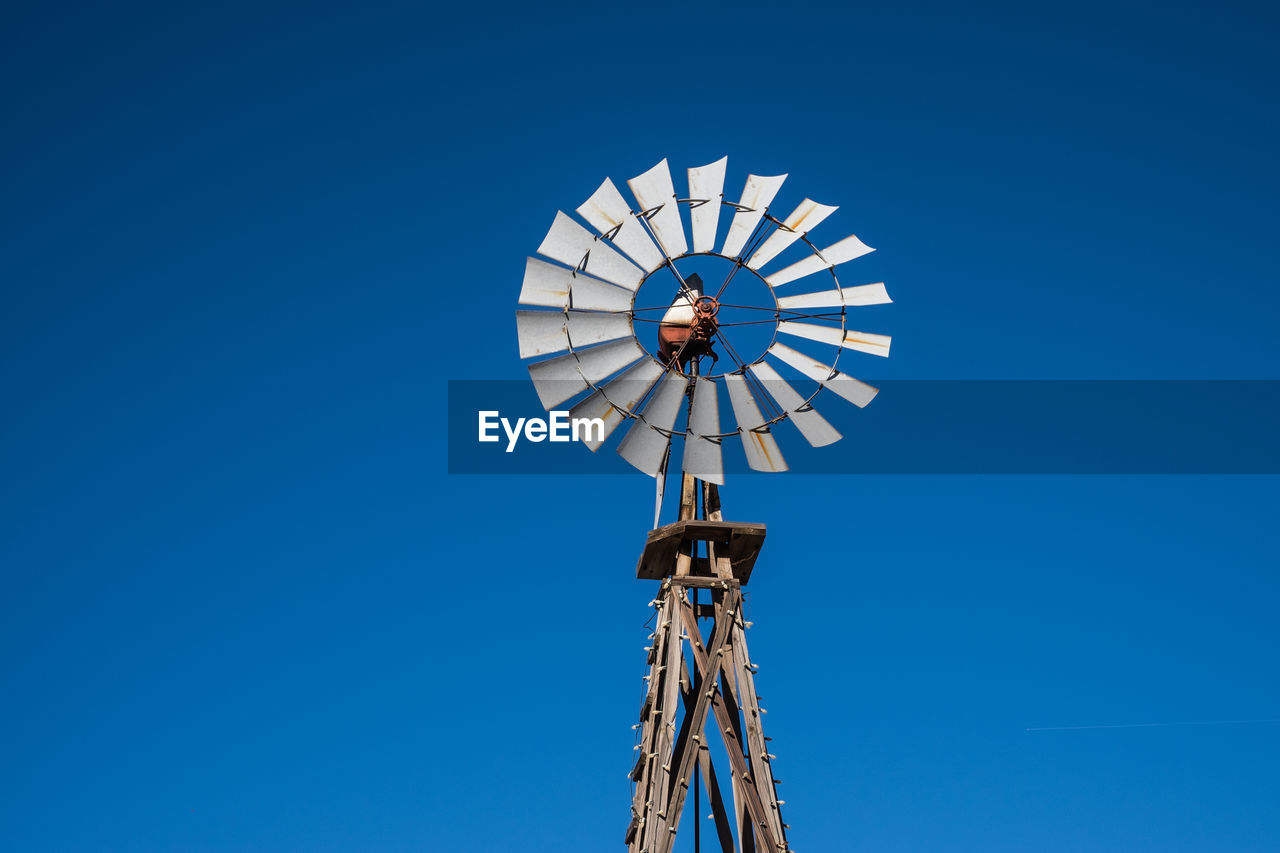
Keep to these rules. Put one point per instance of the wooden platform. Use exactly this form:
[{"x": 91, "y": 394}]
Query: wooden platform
[{"x": 743, "y": 540}]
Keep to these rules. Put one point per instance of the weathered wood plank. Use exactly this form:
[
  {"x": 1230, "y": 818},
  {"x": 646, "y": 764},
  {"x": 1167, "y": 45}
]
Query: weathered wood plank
[
  {"x": 712, "y": 786},
  {"x": 666, "y": 544},
  {"x": 761, "y": 768},
  {"x": 708, "y": 663},
  {"x": 683, "y": 758},
  {"x": 673, "y": 664}
]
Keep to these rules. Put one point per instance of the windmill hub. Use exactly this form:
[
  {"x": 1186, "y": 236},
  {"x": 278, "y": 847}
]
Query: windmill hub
[{"x": 689, "y": 327}]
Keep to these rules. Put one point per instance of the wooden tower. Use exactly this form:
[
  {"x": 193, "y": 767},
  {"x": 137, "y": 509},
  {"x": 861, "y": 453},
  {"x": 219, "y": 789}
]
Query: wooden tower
[{"x": 701, "y": 685}]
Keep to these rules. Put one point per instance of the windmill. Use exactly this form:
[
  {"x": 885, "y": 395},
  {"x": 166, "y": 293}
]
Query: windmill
[{"x": 663, "y": 374}]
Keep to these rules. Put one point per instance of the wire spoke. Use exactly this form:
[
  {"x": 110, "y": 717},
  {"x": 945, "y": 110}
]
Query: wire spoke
[
  {"x": 729, "y": 349},
  {"x": 764, "y": 394},
  {"x": 737, "y": 266},
  {"x": 798, "y": 315},
  {"x": 746, "y": 322},
  {"x": 748, "y": 307}
]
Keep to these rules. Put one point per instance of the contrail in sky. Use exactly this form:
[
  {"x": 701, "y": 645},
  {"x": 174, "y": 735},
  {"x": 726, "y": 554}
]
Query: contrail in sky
[{"x": 1147, "y": 725}]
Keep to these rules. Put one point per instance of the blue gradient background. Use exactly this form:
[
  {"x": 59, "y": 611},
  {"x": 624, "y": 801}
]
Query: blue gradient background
[{"x": 244, "y": 246}]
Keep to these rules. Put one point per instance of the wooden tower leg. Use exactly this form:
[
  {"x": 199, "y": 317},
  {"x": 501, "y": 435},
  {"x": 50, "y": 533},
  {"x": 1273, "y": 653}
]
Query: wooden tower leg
[{"x": 695, "y": 679}]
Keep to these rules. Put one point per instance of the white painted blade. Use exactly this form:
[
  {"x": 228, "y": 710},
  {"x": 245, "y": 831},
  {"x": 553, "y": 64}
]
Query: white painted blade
[
  {"x": 702, "y": 456},
  {"x": 589, "y": 327},
  {"x": 607, "y": 210},
  {"x": 547, "y": 284},
  {"x": 763, "y": 453},
  {"x": 866, "y": 342},
  {"x": 866, "y": 294},
  {"x": 863, "y": 294},
  {"x": 643, "y": 446},
  {"x": 541, "y": 333},
  {"x": 570, "y": 243},
  {"x": 801, "y": 221},
  {"x": 812, "y": 426},
  {"x": 858, "y": 393},
  {"x": 653, "y": 190},
  {"x": 757, "y": 195},
  {"x": 565, "y": 376},
  {"x": 860, "y": 341},
  {"x": 835, "y": 254},
  {"x": 544, "y": 332},
  {"x": 706, "y": 189},
  {"x": 826, "y": 334},
  {"x": 554, "y": 286},
  {"x": 610, "y": 403}
]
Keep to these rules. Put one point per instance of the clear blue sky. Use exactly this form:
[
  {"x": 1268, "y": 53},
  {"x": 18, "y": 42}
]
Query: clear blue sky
[{"x": 244, "y": 246}]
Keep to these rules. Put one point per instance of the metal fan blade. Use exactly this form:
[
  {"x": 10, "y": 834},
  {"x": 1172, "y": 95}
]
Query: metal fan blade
[
  {"x": 863, "y": 342},
  {"x": 554, "y": 286},
  {"x": 655, "y": 192},
  {"x": 863, "y": 294},
  {"x": 702, "y": 456},
  {"x": 763, "y": 453},
  {"x": 860, "y": 341},
  {"x": 611, "y": 403},
  {"x": 812, "y": 426},
  {"x": 801, "y": 221},
  {"x": 608, "y": 212},
  {"x": 570, "y": 243},
  {"x": 643, "y": 445},
  {"x": 706, "y": 189},
  {"x": 565, "y": 376},
  {"x": 541, "y": 332},
  {"x": 757, "y": 195},
  {"x": 826, "y": 334},
  {"x": 858, "y": 393},
  {"x": 835, "y": 254},
  {"x": 588, "y": 327}
]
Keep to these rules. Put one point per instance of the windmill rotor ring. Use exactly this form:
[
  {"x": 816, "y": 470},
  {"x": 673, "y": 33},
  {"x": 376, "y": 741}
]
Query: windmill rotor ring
[{"x": 589, "y": 350}]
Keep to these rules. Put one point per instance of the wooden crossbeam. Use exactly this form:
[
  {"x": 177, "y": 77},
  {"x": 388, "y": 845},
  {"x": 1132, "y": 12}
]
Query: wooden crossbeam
[
  {"x": 708, "y": 664},
  {"x": 724, "y": 831}
]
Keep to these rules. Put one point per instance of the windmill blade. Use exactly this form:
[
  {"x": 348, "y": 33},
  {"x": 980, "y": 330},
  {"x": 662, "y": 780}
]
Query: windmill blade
[
  {"x": 860, "y": 341},
  {"x": 835, "y": 254},
  {"x": 612, "y": 402},
  {"x": 863, "y": 294},
  {"x": 545, "y": 332},
  {"x": 565, "y": 376},
  {"x": 655, "y": 192},
  {"x": 757, "y": 195},
  {"x": 706, "y": 189},
  {"x": 858, "y": 393},
  {"x": 554, "y": 286},
  {"x": 570, "y": 243},
  {"x": 609, "y": 213},
  {"x": 702, "y": 456},
  {"x": 643, "y": 445},
  {"x": 588, "y": 327},
  {"x": 801, "y": 221},
  {"x": 812, "y": 426},
  {"x": 541, "y": 333},
  {"x": 763, "y": 453}
]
